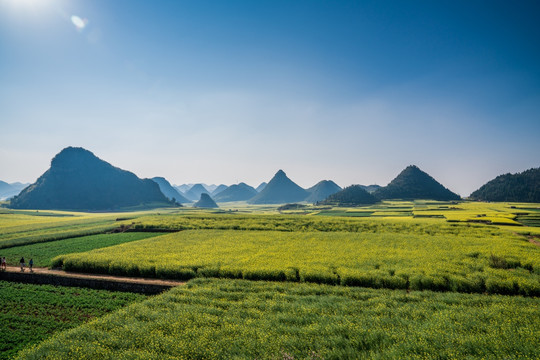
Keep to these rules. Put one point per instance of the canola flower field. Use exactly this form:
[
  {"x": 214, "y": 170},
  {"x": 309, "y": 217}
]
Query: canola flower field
[
  {"x": 468, "y": 252},
  {"x": 238, "y": 319},
  {"x": 387, "y": 254},
  {"x": 519, "y": 217}
]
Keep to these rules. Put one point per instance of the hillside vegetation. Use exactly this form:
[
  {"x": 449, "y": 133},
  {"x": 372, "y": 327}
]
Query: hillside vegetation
[
  {"x": 78, "y": 180},
  {"x": 520, "y": 187},
  {"x": 411, "y": 184},
  {"x": 353, "y": 195}
]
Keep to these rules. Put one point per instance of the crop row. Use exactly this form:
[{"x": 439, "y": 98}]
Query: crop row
[
  {"x": 236, "y": 319},
  {"x": 31, "y": 313},
  {"x": 31, "y": 234},
  {"x": 497, "y": 263},
  {"x": 291, "y": 223}
]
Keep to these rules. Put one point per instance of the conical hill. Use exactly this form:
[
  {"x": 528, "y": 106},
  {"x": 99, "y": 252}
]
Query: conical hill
[
  {"x": 205, "y": 202},
  {"x": 412, "y": 183},
  {"x": 78, "y": 180},
  {"x": 322, "y": 190},
  {"x": 280, "y": 190}
]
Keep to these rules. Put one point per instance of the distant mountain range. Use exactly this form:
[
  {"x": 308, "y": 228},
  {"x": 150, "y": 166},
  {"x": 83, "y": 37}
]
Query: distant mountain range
[
  {"x": 9, "y": 190},
  {"x": 78, "y": 180},
  {"x": 183, "y": 188},
  {"x": 194, "y": 193},
  {"x": 520, "y": 187},
  {"x": 261, "y": 186},
  {"x": 170, "y": 192},
  {"x": 218, "y": 189},
  {"x": 240, "y": 192}
]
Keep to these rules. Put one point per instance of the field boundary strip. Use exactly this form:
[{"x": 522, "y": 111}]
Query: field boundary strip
[{"x": 42, "y": 276}]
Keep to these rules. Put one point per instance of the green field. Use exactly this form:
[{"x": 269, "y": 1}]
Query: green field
[
  {"x": 32, "y": 313},
  {"x": 23, "y": 227},
  {"x": 18, "y": 228},
  {"x": 43, "y": 253},
  {"x": 237, "y": 319}
]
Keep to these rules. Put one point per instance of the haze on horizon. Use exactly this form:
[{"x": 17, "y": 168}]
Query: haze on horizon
[{"x": 228, "y": 92}]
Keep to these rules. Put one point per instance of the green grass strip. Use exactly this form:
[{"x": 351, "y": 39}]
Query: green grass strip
[{"x": 43, "y": 253}]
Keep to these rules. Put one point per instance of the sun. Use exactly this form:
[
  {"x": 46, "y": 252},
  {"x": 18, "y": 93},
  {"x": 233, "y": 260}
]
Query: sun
[{"x": 28, "y": 4}]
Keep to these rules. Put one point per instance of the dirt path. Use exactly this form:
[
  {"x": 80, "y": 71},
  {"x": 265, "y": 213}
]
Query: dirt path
[
  {"x": 530, "y": 238},
  {"x": 533, "y": 241},
  {"x": 122, "y": 279}
]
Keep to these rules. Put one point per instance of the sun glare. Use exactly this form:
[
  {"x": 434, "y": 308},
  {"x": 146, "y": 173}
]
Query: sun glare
[{"x": 27, "y": 3}]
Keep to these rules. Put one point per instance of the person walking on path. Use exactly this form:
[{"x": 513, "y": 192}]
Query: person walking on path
[
  {"x": 4, "y": 265},
  {"x": 21, "y": 262},
  {"x": 30, "y": 264}
]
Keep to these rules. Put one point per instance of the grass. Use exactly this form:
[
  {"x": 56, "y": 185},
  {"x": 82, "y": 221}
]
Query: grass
[
  {"x": 43, "y": 253},
  {"x": 237, "y": 319},
  {"x": 415, "y": 256},
  {"x": 32, "y": 313}
]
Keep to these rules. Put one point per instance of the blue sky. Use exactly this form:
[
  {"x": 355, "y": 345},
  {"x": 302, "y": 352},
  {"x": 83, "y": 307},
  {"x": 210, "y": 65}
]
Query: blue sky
[{"x": 229, "y": 91}]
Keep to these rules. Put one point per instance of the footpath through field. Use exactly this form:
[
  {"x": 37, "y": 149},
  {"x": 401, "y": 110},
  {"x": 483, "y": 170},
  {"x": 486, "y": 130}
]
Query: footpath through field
[{"x": 60, "y": 277}]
